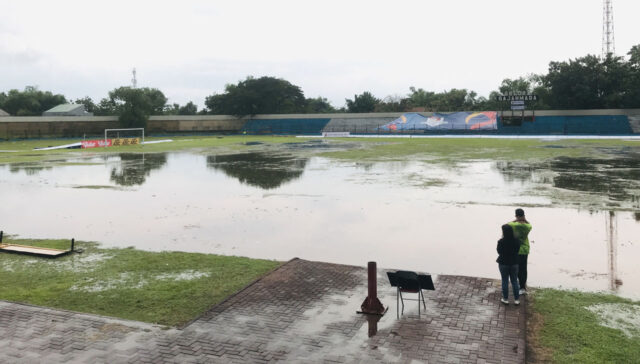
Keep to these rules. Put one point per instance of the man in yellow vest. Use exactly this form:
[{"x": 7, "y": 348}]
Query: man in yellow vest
[{"x": 521, "y": 228}]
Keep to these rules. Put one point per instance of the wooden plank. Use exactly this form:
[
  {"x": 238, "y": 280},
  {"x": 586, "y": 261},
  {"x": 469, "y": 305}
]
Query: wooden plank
[{"x": 31, "y": 250}]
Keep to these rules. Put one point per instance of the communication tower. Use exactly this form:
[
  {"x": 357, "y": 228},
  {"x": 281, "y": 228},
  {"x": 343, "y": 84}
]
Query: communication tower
[
  {"x": 134, "y": 82},
  {"x": 608, "y": 40}
]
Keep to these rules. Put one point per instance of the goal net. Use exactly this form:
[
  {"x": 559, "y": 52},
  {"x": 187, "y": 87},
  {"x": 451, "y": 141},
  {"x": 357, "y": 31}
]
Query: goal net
[{"x": 127, "y": 136}]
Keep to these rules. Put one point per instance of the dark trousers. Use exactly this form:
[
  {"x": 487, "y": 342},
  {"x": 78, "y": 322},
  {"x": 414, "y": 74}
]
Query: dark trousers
[
  {"x": 522, "y": 271},
  {"x": 509, "y": 273}
]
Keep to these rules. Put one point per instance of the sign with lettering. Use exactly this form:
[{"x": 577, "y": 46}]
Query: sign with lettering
[
  {"x": 96, "y": 143},
  {"x": 517, "y": 105},
  {"x": 522, "y": 97},
  {"x": 125, "y": 141}
]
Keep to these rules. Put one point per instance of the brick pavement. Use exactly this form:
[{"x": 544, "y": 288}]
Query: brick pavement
[{"x": 302, "y": 312}]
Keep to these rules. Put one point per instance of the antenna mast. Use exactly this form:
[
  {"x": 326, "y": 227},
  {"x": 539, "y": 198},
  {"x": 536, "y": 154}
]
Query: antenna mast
[
  {"x": 134, "y": 82},
  {"x": 608, "y": 40}
]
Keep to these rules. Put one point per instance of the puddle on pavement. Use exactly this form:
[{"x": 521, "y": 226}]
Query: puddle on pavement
[{"x": 279, "y": 204}]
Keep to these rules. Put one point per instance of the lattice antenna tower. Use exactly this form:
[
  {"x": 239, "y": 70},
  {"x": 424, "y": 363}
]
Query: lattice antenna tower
[
  {"x": 608, "y": 40},
  {"x": 134, "y": 82}
]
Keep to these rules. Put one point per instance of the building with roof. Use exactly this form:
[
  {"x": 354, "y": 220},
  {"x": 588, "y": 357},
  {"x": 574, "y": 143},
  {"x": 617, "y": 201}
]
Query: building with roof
[
  {"x": 67, "y": 110},
  {"x": 3, "y": 113}
]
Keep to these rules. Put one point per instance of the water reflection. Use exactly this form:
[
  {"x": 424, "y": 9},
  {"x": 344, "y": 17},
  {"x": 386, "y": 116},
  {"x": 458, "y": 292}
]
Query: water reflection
[
  {"x": 264, "y": 170},
  {"x": 372, "y": 322},
  {"x": 31, "y": 169},
  {"x": 355, "y": 213},
  {"x": 135, "y": 168},
  {"x": 611, "y": 222},
  {"x": 618, "y": 178}
]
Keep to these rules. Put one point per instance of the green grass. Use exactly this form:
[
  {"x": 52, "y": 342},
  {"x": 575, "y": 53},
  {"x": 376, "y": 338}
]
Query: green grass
[
  {"x": 362, "y": 149},
  {"x": 574, "y": 334},
  {"x": 167, "y": 288},
  {"x": 462, "y": 149},
  {"x": 21, "y": 151}
]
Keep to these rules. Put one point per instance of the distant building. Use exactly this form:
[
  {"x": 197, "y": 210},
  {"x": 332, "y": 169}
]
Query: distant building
[
  {"x": 67, "y": 110},
  {"x": 3, "y": 113}
]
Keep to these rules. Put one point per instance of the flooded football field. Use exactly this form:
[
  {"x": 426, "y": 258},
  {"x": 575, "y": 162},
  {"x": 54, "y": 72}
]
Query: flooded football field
[{"x": 442, "y": 218}]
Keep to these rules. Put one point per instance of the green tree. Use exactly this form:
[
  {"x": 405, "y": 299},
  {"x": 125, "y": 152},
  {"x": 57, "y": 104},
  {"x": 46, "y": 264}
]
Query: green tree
[
  {"x": 157, "y": 100},
  {"x": 452, "y": 100},
  {"x": 134, "y": 105},
  {"x": 319, "y": 105},
  {"x": 264, "y": 95},
  {"x": 421, "y": 98},
  {"x": 89, "y": 105},
  {"x": 587, "y": 83},
  {"x": 188, "y": 109},
  {"x": 632, "y": 81},
  {"x": 106, "y": 107},
  {"x": 30, "y": 102},
  {"x": 519, "y": 84},
  {"x": 3, "y": 98},
  {"x": 172, "y": 109},
  {"x": 393, "y": 104},
  {"x": 365, "y": 102},
  {"x": 634, "y": 56}
]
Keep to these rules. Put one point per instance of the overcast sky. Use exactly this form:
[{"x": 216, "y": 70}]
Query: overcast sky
[{"x": 334, "y": 49}]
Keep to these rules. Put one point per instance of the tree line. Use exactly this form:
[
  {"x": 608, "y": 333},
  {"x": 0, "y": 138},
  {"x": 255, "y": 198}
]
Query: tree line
[{"x": 588, "y": 82}]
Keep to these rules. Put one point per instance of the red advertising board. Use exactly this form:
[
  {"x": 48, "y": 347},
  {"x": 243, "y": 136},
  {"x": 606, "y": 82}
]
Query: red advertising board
[{"x": 96, "y": 143}]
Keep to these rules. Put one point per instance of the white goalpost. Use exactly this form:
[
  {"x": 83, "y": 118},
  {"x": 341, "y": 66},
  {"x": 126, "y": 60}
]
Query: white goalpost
[{"x": 124, "y": 131}]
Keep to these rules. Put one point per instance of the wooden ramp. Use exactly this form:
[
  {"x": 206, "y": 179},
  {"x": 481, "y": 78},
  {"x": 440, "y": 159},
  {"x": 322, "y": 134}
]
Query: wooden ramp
[{"x": 33, "y": 250}]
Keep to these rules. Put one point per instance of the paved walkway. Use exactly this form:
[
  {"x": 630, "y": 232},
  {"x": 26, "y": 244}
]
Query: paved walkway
[{"x": 302, "y": 312}]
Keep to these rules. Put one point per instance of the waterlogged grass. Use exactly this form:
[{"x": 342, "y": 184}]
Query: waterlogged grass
[
  {"x": 572, "y": 327},
  {"x": 167, "y": 288},
  {"x": 462, "y": 149},
  {"x": 22, "y": 151},
  {"x": 361, "y": 149}
]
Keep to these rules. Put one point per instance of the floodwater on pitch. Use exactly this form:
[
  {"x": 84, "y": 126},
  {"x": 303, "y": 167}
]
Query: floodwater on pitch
[{"x": 280, "y": 204}]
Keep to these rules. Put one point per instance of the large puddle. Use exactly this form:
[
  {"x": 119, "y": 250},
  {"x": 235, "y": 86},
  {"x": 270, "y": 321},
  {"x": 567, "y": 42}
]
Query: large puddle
[{"x": 417, "y": 215}]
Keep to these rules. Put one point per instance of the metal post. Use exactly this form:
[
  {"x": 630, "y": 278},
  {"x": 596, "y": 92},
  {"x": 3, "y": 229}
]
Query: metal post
[
  {"x": 73, "y": 242},
  {"x": 372, "y": 274},
  {"x": 1, "y": 233},
  {"x": 372, "y": 304}
]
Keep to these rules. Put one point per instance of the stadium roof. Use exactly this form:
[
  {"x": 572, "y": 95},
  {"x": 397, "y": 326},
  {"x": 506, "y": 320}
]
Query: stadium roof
[{"x": 66, "y": 108}]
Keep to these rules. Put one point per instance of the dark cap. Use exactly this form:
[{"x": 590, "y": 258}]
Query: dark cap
[{"x": 519, "y": 212}]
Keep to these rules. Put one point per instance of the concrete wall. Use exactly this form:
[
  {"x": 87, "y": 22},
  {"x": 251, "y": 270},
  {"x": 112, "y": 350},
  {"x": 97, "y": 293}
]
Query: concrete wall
[
  {"x": 15, "y": 127},
  {"x": 195, "y": 123},
  {"x": 23, "y": 127}
]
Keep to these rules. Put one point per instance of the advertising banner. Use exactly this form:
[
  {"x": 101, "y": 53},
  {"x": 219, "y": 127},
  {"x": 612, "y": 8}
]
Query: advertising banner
[
  {"x": 485, "y": 120},
  {"x": 96, "y": 143},
  {"x": 125, "y": 141}
]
